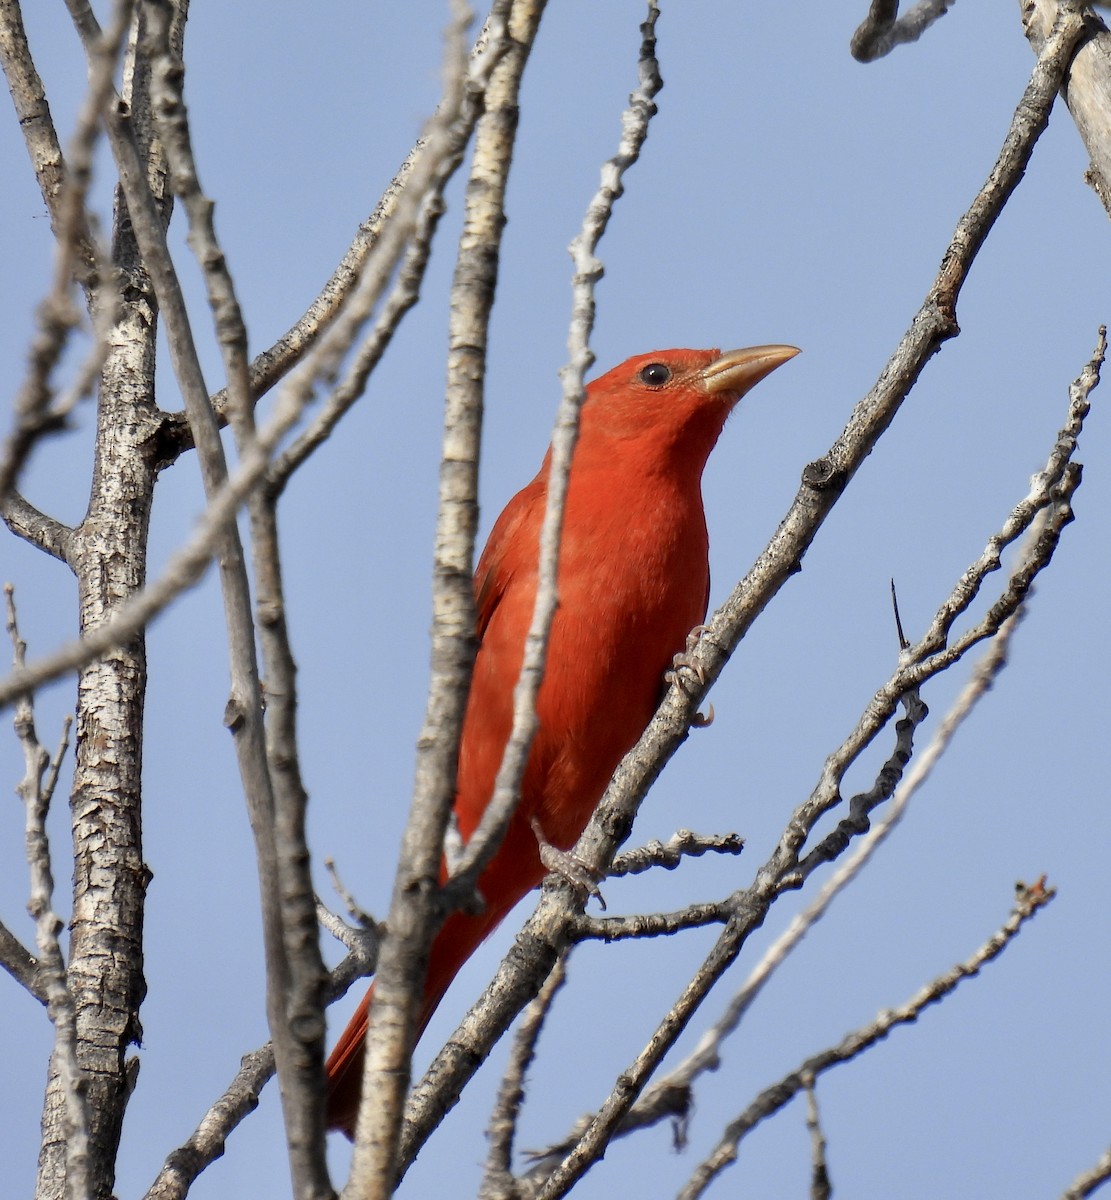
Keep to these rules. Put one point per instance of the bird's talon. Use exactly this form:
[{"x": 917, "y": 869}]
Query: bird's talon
[
  {"x": 695, "y": 636},
  {"x": 703, "y": 720},
  {"x": 685, "y": 659},
  {"x": 583, "y": 878}
]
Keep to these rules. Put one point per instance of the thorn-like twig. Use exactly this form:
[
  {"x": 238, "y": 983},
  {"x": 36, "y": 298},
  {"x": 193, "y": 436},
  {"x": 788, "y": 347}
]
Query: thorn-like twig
[{"x": 903, "y": 643}]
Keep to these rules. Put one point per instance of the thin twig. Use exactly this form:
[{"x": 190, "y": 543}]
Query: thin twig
[
  {"x": 706, "y": 1056},
  {"x": 37, "y": 412},
  {"x": 183, "y": 1165},
  {"x": 405, "y": 293},
  {"x": 682, "y": 844},
  {"x": 270, "y": 366},
  {"x": 498, "y": 1182},
  {"x": 185, "y": 567},
  {"x": 295, "y": 968},
  {"x": 646, "y": 925},
  {"x": 1028, "y": 901},
  {"x": 820, "y": 1188}
]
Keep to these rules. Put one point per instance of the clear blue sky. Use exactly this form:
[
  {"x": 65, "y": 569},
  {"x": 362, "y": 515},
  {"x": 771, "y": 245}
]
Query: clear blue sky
[{"x": 786, "y": 194}]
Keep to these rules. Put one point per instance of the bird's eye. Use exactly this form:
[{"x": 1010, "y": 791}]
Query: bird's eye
[{"x": 655, "y": 374}]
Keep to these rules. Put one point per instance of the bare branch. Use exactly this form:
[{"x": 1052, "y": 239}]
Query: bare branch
[
  {"x": 270, "y": 366},
  {"x": 25, "y": 521},
  {"x": 497, "y": 1181},
  {"x": 427, "y": 205},
  {"x": 296, "y": 972},
  {"x": 820, "y": 1188},
  {"x": 183, "y": 569},
  {"x": 1028, "y": 901},
  {"x": 62, "y": 185},
  {"x": 37, "y": 413},
  {"x": 883, "y": 29},
  {"x": 207, "y": 1143},
  {"x": 643, "y": 925},
  {"x": 415, "y": 909},
  {"x": 354, "y": 910},
  {"x": 405, "y": 293},
  {"x": 244, "y": 713},
  {"x": 241, "y": 1097},
  {"x": 188, "y": 563},
  {"x": 20, "y": 963},
  {"x": 1088, "y": 1181},
  {"x": 682, "y": 844},
  {"x": 707, "y": 1054},
  {"x": 1086, "y": 88},
  {"x": 861, "y": 805}
]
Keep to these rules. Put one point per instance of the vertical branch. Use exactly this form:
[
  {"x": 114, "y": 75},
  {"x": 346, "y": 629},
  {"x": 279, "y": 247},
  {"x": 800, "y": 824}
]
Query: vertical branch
[
  {"x": 64, "y": 187},
  {"x": 108, "y": 554},
  {"x": 415, "y": 905},
  {"x": 295, "y": 974}
]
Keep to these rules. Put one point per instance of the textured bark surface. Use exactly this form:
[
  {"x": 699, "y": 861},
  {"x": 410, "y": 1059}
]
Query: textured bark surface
[
  {"x": 1087, "y": 89},
  {"x": 109, "y": 558},
  {"x": 108, "y": 554}
]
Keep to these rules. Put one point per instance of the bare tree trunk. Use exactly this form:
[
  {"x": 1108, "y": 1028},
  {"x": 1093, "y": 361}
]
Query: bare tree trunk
[
  {"x": 108, "y": 554},
  {"x": 109, "y": 558}
]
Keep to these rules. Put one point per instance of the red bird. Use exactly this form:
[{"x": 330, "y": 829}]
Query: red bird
[{"x": 634, "y": 579}]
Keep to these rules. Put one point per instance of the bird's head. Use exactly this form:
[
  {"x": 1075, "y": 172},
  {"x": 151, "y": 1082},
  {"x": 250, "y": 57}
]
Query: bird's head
[{"x": 675, "y": 396}]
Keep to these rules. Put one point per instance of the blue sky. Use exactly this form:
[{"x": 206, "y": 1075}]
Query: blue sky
[{"x": 786, "y": 194}]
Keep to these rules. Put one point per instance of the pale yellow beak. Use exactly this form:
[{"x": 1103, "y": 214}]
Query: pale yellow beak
[{"x": 738, "y": 370}]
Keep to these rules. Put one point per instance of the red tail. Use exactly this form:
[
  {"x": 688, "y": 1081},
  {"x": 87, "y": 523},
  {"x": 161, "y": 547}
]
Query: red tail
[{"x": 515, "y": 870}]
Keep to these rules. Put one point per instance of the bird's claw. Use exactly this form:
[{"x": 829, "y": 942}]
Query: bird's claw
[
  {"x": 583, "y": 878},
  {"x": 702, "y": 720},
  {"x": 685, "y": 659}
]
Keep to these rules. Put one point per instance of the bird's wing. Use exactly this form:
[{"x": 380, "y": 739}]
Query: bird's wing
[{"x": 513, "y": 545}]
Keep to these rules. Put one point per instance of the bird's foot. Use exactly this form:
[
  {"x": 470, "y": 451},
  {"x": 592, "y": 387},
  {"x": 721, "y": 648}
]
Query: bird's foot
[
  {"x": 583, "y": 878},
  {"x": 685, "y": 660}
]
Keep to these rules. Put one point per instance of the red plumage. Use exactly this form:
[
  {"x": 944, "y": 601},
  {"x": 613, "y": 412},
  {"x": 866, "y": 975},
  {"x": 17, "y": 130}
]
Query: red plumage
[{"x": 633, "y": 580}]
